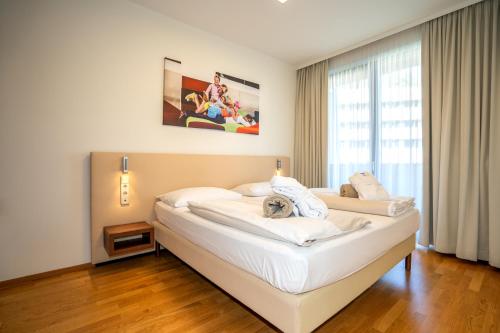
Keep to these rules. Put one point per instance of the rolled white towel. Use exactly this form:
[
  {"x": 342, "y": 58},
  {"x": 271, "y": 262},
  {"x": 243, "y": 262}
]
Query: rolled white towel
[
  {"x": 394, "y": 207},
  {"x": 368, "y": 187},
  {"x": 305, "y": 202}
]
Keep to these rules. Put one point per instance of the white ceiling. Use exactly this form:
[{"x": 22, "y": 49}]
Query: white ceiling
[{"x": 301, "y": 32}]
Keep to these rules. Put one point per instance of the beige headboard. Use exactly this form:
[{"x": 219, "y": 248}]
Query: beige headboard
[{"x": 151, "y": 174}]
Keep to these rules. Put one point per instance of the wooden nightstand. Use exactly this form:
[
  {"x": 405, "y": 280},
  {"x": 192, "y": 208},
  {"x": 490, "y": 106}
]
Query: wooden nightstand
[{"x": 119, "y": 239}]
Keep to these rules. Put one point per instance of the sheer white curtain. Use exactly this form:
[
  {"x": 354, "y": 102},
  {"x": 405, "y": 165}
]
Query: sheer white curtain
[
  {"x": 375, "y": 117},
  {"x": 350, "y": 130},
  {"x": 398, "y": 162}
]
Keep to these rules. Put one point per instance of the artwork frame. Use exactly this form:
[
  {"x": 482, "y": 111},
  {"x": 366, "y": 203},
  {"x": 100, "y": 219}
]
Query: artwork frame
[{"x": 225, "y": 103}]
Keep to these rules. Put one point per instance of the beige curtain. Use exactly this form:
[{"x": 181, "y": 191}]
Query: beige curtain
[
  {"x": 461, "y": 110},
  {"x": 311, "y": 112}
]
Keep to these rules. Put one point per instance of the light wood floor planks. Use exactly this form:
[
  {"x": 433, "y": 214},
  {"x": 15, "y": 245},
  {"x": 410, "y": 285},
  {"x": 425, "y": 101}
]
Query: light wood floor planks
[{"x": 148, "y": 294}]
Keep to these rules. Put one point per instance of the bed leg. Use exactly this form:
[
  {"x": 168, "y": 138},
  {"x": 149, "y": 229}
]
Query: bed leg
[
  {"x": 408, "y": 262},
  {"x": 157, "y": 249}
]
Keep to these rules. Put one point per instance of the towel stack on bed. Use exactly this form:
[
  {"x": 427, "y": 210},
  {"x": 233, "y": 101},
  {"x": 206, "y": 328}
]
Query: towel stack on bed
[
  {"x": 304, "y": 202},
  {"x": 366, "y": 195}
]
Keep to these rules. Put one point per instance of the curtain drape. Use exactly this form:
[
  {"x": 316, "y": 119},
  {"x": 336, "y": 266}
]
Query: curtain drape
[
  {"x": 461, "y": 126},
  {"x": 311, "y": 125}
]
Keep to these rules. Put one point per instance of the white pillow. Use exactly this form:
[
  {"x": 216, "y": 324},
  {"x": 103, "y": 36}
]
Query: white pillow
[
  {"x": 180, "y": 198},
  {"x": 254, "y": 189}
]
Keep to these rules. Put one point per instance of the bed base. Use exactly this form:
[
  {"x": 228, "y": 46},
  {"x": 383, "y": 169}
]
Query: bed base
[{"x": 294, "y": 313}]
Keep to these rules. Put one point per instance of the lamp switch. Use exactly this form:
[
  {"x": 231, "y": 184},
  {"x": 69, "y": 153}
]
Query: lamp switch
[{"x": 124, "y": 190}]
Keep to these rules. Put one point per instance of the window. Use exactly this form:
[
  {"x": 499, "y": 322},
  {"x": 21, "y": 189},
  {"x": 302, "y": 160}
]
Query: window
[{"x": 375, "y": 121}]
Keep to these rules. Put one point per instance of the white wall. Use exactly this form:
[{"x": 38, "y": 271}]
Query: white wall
[{"x": 82, "y": 76}]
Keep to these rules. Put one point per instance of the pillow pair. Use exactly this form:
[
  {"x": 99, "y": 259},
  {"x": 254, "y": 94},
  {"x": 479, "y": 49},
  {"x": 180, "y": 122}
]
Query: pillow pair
[{"x": 180, "y": 198}]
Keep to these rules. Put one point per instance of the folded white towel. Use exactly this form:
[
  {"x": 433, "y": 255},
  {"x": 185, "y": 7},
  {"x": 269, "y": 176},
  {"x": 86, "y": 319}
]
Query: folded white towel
[
  {"x": 305, "y": 203},
  {"x": 399, "y": 205},
  {"x": 368, "y": 187}
]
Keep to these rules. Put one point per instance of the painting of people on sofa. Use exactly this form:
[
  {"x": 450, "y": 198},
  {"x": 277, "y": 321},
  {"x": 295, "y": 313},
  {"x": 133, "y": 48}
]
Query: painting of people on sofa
[{"x": 224, "y": 103}]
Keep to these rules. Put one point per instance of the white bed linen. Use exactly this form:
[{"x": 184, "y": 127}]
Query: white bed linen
[
  {"x": 302, "y": 231},
  {"x": 289, "y": 267}
]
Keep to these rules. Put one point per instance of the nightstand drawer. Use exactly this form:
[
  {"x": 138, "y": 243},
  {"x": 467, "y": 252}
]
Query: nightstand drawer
[{"x": 128, "y": 238}]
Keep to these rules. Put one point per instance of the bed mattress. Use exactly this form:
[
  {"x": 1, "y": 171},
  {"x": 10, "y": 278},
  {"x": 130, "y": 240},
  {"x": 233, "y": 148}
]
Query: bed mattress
[{"x": 286, "y": 266}]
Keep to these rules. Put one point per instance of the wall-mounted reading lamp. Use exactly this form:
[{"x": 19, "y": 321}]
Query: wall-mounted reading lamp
[
  {"x": 278, "y": 167},
  {"x": 125, "y": 164},
  {"x": 124, "y": 183}
]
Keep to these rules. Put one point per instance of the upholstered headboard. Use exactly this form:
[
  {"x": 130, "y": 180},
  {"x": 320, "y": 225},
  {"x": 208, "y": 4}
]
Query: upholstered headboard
[{"x": 151, "y": 174}]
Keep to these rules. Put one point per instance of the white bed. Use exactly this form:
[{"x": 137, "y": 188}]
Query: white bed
[
  {"x": 296, "y": 313},
  {"x": 288, "y": 267}
]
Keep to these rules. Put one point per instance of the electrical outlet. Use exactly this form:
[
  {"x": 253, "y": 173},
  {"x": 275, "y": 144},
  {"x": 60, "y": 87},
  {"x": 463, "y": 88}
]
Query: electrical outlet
[{"x": 124, "y": 190}]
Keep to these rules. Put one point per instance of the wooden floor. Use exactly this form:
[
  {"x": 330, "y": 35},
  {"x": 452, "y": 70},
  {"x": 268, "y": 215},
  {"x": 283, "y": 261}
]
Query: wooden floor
[{"x": 148, "y": 294}]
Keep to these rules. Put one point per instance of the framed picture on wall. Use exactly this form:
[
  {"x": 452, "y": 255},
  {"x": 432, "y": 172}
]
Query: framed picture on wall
[{"x": 223, "y": 103}]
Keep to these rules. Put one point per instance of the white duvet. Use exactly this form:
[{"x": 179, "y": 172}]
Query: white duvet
[{"x": 301, "y": 231}]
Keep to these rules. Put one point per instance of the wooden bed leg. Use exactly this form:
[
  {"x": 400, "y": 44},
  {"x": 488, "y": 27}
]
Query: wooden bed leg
[
  {"x": 157, "y": 249},
  {"x": 408, "y": 262}
]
